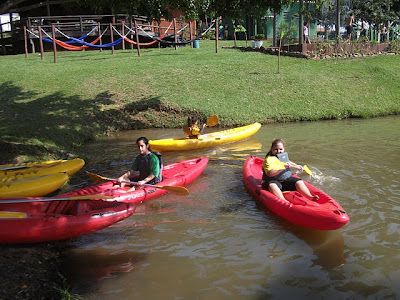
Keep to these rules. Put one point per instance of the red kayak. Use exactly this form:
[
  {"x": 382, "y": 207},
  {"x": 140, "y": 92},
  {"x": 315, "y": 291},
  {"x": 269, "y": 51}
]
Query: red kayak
[
  {"x": 176, "y": 174},
  {"x": 43, "y": 221},
  {"x": 324, "y": 214}
]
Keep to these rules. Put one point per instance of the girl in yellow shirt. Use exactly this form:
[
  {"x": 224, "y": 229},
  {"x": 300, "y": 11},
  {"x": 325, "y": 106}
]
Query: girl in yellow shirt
[{"x": 277, "y": 176}]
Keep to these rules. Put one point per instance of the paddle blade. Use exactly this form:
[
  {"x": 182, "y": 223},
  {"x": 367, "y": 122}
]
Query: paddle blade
[
  {"x": 12, "y": 214},
  {"x": 96, "y": 177},
  {"x": 307, "y": 170},
  {"x": 177, "y": 190},
  {"x": 212, "y": 121}
]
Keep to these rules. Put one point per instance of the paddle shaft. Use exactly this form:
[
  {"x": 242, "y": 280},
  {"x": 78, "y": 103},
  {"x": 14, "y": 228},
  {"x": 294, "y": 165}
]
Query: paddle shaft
[
  {"x": 132, "y": 182},
  {"x": 73, "y": 198}
]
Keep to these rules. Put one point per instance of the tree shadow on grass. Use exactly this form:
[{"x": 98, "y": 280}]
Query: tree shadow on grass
[{"x": 57, "y": 124}]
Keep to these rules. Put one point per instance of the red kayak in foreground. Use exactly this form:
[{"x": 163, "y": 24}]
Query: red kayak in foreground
[
  {"x": 53, "y": 220},
  {"x": 324, "y": 214},
  {"x": 176, "y": 174}
]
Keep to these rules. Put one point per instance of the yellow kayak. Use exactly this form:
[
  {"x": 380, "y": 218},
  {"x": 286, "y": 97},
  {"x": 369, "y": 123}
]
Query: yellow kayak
[
  {"x": 32, "y": 186},
  {"x": 20, "y": 171},
  {"x": 206, "y": 140}
]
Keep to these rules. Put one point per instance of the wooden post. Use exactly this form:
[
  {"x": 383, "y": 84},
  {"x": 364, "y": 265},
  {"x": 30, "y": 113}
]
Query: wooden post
[
  {"x": 159, "y": 33},
  {"x": 41, "y": 42},
  {"x": 175, "y": 36},
  {"x": 53, "y": 34},
  {"x": 190, "y": 35},
  {"x": 112, "y": 39},
  {"x": 216, "y": 35},
  {"x": 28, "y": 25},
  {"x": 25, "y": 42},
  {"x": 99, "y": 29},
  {"x": 137, "y": 39},
  {"x": 123, "y": 34},
  {"x": 131, "y": 26}
]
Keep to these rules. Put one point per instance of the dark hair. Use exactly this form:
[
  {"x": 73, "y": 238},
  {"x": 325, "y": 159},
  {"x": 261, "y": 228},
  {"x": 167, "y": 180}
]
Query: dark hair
[
  {"x": 192, "y": 120},
  {"x": 145, "y": 141}
]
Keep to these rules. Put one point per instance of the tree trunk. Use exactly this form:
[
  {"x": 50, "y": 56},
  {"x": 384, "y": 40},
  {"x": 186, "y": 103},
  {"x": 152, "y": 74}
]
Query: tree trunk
[
  {"x": 301, "y": 39},
  {"x": 337, "y": 19}
]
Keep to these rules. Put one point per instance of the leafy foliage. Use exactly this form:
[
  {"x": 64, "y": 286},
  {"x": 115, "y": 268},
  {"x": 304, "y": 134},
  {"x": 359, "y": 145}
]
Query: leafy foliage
[{"x": 376, "y": 11}]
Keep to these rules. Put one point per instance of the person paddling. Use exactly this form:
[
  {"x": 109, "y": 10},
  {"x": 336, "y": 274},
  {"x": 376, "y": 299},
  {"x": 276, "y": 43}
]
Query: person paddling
[
  {"x": 146, "y": 168},
  {"x": 193, "y": 129},
  {"x": 277, "y": 176}
]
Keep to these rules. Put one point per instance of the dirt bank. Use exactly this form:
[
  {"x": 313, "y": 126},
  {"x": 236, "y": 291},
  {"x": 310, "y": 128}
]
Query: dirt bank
[{"x": 31, "y": 272}]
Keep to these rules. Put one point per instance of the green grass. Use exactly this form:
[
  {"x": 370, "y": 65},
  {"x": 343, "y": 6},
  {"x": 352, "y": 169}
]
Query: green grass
[{"x": 91, "y": 93}]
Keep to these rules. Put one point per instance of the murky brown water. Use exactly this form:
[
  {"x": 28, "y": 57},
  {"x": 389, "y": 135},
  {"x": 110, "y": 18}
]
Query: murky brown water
[{"x": 218, "y": 243}]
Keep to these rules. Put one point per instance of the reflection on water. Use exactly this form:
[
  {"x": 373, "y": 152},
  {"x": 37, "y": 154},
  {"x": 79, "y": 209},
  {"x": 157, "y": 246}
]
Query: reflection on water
[{"x": 219, "y": 243}]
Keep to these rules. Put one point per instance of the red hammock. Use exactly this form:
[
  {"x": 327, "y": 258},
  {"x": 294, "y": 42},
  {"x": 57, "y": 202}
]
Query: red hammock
[{"x": 75, "y": 48}]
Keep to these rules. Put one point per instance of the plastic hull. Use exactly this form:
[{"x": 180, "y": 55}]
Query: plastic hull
[
  {"x": 32, "y": 186},
  {"x": 207, "y": 140},
  {"x": 176, "y": 174},
  {"x": 58, "y": 220},
  {"x": 69, "y": 167},
  {"x": 325, "y": 214}
]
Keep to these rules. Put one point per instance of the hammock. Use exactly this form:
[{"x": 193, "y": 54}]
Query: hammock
[
  {"x": 66, "y": 45},
  {"x": 143, "y": 44}
]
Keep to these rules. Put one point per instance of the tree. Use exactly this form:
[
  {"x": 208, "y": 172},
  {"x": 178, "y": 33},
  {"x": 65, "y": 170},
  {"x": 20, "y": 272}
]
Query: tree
[
  {"x": 376, "y": 11},
  {"x": 326, "y": 14}
]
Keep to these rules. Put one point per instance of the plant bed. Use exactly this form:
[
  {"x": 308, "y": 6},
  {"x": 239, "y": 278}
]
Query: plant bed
[{"x": 326, "y": 50}]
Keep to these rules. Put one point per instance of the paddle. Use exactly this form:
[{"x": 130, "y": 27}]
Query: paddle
[
  {"x": 43, "y": 199},
  {"x": 283, "y": 157},
  {"x": 12, "y": 214},
  {"x": 177, "y": 190},
  {"x": 211, "y": 122}
]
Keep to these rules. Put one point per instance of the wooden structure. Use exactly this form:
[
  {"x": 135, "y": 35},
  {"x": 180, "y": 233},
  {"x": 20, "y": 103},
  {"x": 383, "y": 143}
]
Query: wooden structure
[{"x": 13, "y": 42}]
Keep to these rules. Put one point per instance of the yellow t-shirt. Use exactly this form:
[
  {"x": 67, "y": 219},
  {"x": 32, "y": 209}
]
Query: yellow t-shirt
[{"x": 273, "y": 163}]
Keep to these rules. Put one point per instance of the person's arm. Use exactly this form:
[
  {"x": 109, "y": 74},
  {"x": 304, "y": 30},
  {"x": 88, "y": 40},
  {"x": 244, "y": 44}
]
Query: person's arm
[
  {"x": 291, "y": 164},
  {"x": 126, "y": 176},
  {"x": 202, "y": 128}
]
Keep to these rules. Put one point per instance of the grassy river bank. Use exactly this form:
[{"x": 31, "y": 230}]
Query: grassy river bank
[{"x": 50, "y": 110}]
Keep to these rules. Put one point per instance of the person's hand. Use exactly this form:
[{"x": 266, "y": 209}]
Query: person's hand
[{"x": 141, "y": 182}]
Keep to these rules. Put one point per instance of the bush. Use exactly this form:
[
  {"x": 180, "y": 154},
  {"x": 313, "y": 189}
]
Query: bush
[{"x": 258, "y": 37}]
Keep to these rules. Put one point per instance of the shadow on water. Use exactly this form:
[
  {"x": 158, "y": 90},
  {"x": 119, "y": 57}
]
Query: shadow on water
[
  {"x": 327, "y": 245},
  {"x": 96, "y": 265}
]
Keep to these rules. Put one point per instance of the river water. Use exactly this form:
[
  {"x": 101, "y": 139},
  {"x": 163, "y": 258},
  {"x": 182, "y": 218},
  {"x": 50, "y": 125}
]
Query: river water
[{"x": 219, "y": 243}]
